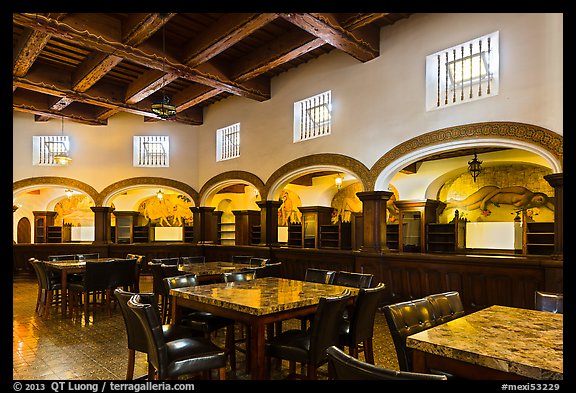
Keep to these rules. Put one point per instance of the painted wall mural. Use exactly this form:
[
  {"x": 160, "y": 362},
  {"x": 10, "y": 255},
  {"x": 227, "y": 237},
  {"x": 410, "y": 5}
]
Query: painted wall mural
[
  {"x": 288, "y": 211},
  {"x": 500, "y": 194},
  {"x": 345, "y": 202},
  {"x": 173, "y": 210},
  {"x": 74, "y": 211}
]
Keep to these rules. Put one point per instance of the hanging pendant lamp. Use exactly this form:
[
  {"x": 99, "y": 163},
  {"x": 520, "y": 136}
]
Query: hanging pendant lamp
[
  {"x": 164, "y": 109},
  {"x": 61, "y": 157}
]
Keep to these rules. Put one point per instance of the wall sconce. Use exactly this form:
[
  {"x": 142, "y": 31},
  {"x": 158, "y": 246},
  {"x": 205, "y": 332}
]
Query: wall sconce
[
  {"x": 256, "y": 192},
  {"x": 475, "y": 167},
  {"x": 160, "y": 195},
  {"x": 338, "y": 181},
  {"x": 68, "y": 193}
]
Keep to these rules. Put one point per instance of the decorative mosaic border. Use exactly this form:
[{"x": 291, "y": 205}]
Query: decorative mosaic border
[
  {"x": 529, "y": 133},
  {"x": 339, "y": 160}
]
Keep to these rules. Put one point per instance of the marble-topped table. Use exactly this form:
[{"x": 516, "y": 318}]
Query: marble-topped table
[
  {"x": 494, "y": 343},
  {"x": 255, "y": 303},
  {"x": 70, "y": 266},
  {"x": 210, "y": 271}
]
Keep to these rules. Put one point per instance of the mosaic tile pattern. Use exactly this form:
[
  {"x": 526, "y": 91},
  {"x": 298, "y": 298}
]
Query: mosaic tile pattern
[{"x": 68, "y": 349}]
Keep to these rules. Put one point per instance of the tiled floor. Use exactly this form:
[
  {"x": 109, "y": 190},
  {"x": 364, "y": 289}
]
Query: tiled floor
[{"x": 68, "y": 349}]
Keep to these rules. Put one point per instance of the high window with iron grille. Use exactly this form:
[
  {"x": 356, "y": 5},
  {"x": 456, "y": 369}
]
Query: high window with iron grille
[
  {"x": 463, "y": 73},
  {"x": 45, "y": 148},
  {"x": 228, "y": 142},
  {"x": 151, "y": 151},
  {"x": 313, "y": 117}
]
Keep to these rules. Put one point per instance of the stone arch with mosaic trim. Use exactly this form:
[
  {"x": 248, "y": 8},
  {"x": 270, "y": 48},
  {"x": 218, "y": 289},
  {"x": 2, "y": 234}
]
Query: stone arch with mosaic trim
[
  {"x": 541, "y": 141},
  {"x": 227, "y": 178},
  {"x": 147, "y": 181},
  {"x": 58, "y": 181},
  {"x": 322, "y": 161}
]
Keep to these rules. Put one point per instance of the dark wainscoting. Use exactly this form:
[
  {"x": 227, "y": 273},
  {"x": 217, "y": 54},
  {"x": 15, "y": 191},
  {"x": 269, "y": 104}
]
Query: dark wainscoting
[{"x": 482, "y": 280}]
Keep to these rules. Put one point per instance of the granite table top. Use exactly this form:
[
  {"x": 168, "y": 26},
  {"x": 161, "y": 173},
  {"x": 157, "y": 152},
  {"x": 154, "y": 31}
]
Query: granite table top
[
  {"x": 261, "y": 296},
  {"x": 212, "y": 268},
  {"x": 75, "y": 263},
  {"x": 513, "y": 340}
]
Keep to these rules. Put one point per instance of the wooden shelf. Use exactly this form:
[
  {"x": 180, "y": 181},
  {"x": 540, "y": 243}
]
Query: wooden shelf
[
  {"x": 295, "y": 235},
  {"x": 141, "y": 234},
  {"x": 392, "y": 234},
  {"x": 188, "y": 234},
  {"x": 446, "y": 237},
  {"x": 255, "y": 234},
  {"x": 539, "y": 238},
  {"x": 54, "y": 235},
  {"x": 337, "y": 236}
]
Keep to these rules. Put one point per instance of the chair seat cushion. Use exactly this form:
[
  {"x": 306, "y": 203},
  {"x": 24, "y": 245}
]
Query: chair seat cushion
[
  {"x": 291, "y": 345},
  {"x": 190, "y": 355}
]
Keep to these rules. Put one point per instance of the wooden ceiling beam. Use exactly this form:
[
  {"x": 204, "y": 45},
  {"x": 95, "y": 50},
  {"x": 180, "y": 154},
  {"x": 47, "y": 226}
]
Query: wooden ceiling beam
[
  {"x": 362, "y": 45},
  {"x": 54, "y": 90},
  {"x": 136, "y": 55},
  {"x": 29, "y": 46},
  {"x": 222, "y": 34},
  {"x": 98, "y": 64}
]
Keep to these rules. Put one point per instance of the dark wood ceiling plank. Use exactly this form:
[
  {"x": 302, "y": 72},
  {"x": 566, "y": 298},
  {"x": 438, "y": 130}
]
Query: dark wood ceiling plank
[
  {"x": 137, "y": 56},
  {"x": 222, "y": 34},
  {"x": 193, "y": 95},
  {"x": 364, "y": 46},
  {"x": 280, "y": 51},
  {"x": 148, "y": 83},
  {"x": 98, "y": 64},
  {"x": 29, "y": 46}
]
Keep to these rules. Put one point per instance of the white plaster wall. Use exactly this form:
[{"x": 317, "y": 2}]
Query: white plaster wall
[
  {"x": 377, "y": 105},
  {"x": 102, "y": 155},
  {"x": 381, "y": 103}
]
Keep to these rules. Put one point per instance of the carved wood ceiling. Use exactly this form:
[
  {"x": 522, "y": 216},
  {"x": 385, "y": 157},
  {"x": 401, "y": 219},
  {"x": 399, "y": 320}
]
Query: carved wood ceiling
[{"x": 86, "y": 67}]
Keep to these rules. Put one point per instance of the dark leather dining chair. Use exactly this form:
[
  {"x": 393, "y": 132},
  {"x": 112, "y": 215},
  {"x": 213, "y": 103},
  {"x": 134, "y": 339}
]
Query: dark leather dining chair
[
  {"x": 357, "y": 330},
  {"x": 404, "y": 319},
  {"x": 342, "y": 366},
  {"x": 269, "y": 270},
  {"x": 322, "y": 276},
  {"x": 138, "y": 272},
  {"x": 49, "y": 288},
  {"x": 96, "y": 281},
  {"x": 549, "y": 301},
  {"x": 309, "y": 346},
  {"x": 353, "y": 279},
  {"x": 446, "y": 306},
  {"x": 203, "y": 322},
  {"x": 178, "y": 357},
  {"x": 136, "y": 340},
  {"x": 241, "y": 258}
]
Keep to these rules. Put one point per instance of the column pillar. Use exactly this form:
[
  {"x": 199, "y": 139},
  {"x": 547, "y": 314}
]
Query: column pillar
[
  {"x": 102, "y": 224},
  {"x": 556, "y": 180},
  {"x": 204, "y": 231},
  {"x": 269, "y": 222},
  {"x": 374, "y": 220}
]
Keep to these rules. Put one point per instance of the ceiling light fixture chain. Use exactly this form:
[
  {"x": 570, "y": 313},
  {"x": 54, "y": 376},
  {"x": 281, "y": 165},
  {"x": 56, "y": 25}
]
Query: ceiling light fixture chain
[{"x": 164, "y": 109}]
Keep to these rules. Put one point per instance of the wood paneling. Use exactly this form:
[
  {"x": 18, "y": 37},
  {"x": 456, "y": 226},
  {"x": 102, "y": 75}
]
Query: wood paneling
[{"x": 482, "y": 280}]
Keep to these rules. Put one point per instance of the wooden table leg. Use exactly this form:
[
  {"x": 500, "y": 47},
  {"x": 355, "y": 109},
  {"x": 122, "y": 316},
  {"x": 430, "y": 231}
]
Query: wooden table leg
[
  {"x": 257, "y": 354},
  {"x": 64, "y": 290}
]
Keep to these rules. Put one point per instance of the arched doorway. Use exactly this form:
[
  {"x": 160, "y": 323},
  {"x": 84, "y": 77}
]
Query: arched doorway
[{"x": 24, "y": 231}]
